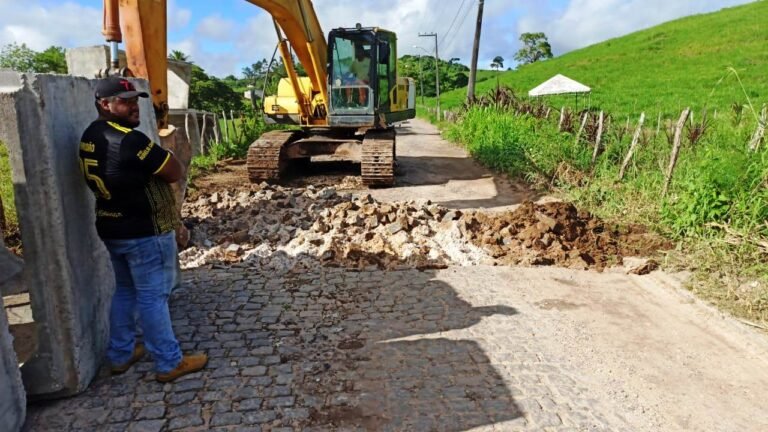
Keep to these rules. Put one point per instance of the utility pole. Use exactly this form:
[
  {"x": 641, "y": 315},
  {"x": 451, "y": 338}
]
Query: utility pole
[
  {"x": 421, "y": 81},
  {"x": 437, "y": 71},
  {"x": 475, "y": 49}
]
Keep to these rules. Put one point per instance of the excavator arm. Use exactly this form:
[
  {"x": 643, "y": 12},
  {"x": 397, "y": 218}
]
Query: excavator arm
[
  {"x": 299, "y": 23},
  {"x": 144, "y": 25}
]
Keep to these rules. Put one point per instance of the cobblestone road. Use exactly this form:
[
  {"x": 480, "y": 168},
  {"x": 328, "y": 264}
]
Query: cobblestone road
[
  {"x": 462, "y": 349},
  {"x": 341, "y": 350}
]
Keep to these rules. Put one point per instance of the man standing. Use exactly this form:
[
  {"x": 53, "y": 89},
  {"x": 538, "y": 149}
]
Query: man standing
[{"x": 136, "y": 218}]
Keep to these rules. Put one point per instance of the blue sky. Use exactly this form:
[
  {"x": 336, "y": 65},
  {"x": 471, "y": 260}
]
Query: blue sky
[{"x": 224, "y": 35}]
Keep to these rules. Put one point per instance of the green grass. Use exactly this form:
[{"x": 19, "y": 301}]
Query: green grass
[
  {"x": 6, "y": 186},
  {"x": 659, "y": 70},
  {"x": 718, "y": 182}
]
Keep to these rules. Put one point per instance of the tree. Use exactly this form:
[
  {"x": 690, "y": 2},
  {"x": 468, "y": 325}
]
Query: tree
[
  {"x": 24, "y": 59},
  {"x": 209, "y": 93},
  {"x": 18, "y": 57},
  {"x": 498, "y": 62},
  {"x": 535, "y": 47},
  {"x": 52, "y": 60},
  {"x": 179, "y": 55}
]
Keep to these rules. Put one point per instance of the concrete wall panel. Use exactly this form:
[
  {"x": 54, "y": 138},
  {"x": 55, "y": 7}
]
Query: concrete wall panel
[
  {"x": 66, "y": 267},
  {"x": 13, "y": 402}
]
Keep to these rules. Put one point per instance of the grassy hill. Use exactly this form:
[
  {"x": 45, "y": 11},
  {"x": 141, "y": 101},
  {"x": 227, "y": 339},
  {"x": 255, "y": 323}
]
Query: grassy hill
[{"x": 660, "y": 69}]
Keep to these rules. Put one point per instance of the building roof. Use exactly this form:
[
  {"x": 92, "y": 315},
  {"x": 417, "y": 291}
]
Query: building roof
[{"x": 559, "y": 84}]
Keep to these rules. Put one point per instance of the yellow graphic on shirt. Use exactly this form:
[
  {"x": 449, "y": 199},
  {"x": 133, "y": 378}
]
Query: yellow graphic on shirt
[
  {"x": 120, "y": 128},
  {"x": 88, "y": 147},
  {"x": 145, "y": 152},
  {"x": 85, "y": 165}
]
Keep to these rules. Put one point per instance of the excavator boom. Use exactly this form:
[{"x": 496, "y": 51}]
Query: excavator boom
[
  {"x": 144, "y": 24},
  {"x": 298, "y": 21}
]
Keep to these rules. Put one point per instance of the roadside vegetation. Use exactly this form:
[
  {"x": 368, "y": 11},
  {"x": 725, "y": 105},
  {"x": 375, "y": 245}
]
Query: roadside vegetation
[
  {"x": 716, "y": 209},
  {"x": 6, "y": 187}
]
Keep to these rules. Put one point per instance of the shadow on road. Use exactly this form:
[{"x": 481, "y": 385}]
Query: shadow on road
[
  {"x": 424, "y": 382},
  {"x": 365, "y": 348}
]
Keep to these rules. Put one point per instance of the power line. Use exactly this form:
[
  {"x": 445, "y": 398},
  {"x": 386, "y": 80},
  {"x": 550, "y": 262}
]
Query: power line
[
  {"x": 445, "y": 33},
  {"x": 463, "y": 20}
]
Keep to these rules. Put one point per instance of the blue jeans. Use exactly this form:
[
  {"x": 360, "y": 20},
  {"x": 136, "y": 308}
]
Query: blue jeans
[{"x": 145, "y": 273}]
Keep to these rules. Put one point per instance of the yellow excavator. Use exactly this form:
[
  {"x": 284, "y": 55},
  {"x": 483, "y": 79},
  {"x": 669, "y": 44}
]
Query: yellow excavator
[{"x": 346, "y": 106}]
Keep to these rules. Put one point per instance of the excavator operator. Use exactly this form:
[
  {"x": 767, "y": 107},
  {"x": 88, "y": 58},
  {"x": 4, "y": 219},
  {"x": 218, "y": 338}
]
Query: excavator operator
[{"x": 360, "y": 70}]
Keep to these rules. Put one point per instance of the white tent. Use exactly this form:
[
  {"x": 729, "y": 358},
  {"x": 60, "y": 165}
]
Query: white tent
[{"x": 559, "y": 84}]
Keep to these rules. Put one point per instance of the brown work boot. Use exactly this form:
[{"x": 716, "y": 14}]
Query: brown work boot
[
  {"x": 138, "y": 353},
  {"x": 189, "y": 363}
]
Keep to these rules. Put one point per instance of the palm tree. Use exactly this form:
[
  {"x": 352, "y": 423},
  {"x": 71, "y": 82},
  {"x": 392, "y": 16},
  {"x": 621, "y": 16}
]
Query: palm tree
[
  {"x": 179, "y": 55},
  {"x": 498, "y": 64}
]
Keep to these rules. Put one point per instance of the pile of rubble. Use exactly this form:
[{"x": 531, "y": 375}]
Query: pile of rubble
[{"x": 290, "y": 228}]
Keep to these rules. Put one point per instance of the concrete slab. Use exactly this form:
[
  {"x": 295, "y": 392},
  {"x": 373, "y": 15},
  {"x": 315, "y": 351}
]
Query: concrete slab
[
  {"x": 88, "y": 61},
  {"x": 13, "y": 403},
  {"x": 66, "y": 266}
]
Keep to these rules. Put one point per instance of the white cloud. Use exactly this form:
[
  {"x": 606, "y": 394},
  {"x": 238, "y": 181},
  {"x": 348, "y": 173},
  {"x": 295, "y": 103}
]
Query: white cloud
[
  {"x": 216, "y": 28},
  {"x": 66, "y": 24},
  {"x": 178, "y": 17},
  {"x": 585, "y": 22}
]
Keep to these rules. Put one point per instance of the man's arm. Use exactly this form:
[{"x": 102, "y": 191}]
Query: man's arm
[
  {"x": 171, "y": 171},
  {"x": 140, "y": 152}
]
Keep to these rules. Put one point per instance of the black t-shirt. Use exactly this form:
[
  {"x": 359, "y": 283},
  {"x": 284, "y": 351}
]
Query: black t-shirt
[{"x": 119, "y": 165}]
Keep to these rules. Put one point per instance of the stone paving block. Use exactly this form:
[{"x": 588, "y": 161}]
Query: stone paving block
[
  {"x": 226, "y": 419},
  {"x": 185, "y": 422},
  {"x": 147, "y": 426}
]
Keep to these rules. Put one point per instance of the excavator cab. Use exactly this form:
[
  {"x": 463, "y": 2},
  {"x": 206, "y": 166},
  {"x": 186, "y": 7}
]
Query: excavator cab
[{"x": 363, "y": 88}]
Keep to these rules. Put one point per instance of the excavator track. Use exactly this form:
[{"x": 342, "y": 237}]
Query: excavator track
[
  {"x": 265, "y": 156},
  {"x": 378, "y": 158}
]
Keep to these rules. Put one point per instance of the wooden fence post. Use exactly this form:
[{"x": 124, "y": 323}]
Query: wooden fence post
[
  {"x": 599, "y": 137},
  {"x": 203, "y": 142},
  {"x": 186, "y": 126},
  {"x": 581, "y": 128},
  {"x": 635, "y": 141},
  {"x": 759, "y": 135},
  {"x": 216, "y": 128},
  {"x": 562, "y": 118},
  {"x": 675, "y": 150},
  {"x": 226, "y": 126}
]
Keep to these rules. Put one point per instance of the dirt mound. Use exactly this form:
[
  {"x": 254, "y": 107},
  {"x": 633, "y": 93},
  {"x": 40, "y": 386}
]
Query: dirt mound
[
  {"x": 286, "y": 229},
  {"x": 544, "y": 234}
]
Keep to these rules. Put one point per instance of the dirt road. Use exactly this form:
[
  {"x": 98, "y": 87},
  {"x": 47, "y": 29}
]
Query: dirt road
[
  {"x": 320, "y": 312},
  {"x": 668, "y": 361}
]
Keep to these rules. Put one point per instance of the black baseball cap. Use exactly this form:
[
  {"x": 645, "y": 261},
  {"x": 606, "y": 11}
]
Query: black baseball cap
[{"x": 116, "y": 86}]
